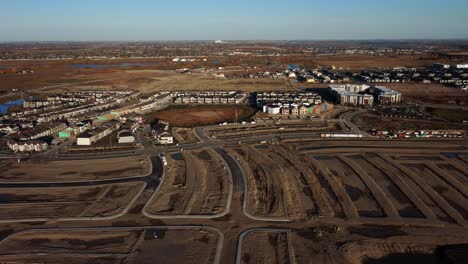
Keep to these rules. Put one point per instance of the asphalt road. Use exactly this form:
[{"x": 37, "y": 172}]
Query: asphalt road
[{"x": 236, "y": 171}]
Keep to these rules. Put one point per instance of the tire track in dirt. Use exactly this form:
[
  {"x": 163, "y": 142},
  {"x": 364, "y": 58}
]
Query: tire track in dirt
[
  {"x": 394, "y": 175},
  {"x": 437, "y": 198},
  {"x": 308, "y": 178},
  {"x": 376, "y": 191},
  {"x": 347, "y": 206}
]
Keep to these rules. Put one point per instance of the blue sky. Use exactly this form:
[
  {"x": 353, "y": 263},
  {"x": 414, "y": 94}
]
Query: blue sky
[{"x": 81, "y": 20}]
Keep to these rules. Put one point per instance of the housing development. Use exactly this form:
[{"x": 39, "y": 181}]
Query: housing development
[{"x": 234, "y": 152}]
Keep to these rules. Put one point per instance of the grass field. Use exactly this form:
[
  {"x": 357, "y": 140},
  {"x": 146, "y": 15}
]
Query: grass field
[{"x": 190, "y": 116}]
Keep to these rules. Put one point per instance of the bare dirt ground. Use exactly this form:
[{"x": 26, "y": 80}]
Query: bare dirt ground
[
  {"x": 279, "y": 183},
  {"x": 358, "y": 62},
  {"x": 423, "y": 184},
  {"x": 66, "y": 202},
  {"x": 196, "y": 182},
  {"x": 226, "y": 132},
  {"x": 123, "y": 245},
  {"x": 202, "y": 115},
  {"x": 59, "y": 77},
  {"x": 160, "y": 75},
  {"x": 368, "y": 244},
  {"x": 430, "y": 93},
  {"x": 368, "y": 121},
  {"x": 265, "y": 247},
  {"x": 363, "y": 199},
  {"x": 388, "y": 183},
  {"x": 397, "y": 247},
  {"x": 184, "y": 135},
  {"x": 348, "y": 201},
  {"x": 75, "y": 170},
  {"x": 165, "y": 80}
]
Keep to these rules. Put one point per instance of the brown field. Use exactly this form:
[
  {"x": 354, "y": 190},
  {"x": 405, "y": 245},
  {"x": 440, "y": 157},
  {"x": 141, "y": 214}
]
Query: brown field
[
  {"x": 57, "y": 77},
  {"x": 390, "y": 184},
  {"x": 135, "y": 245},
  {"x": 354, "y": 245},
  {"x": 370, "y": 121},
  {"x": 280, "y": 183},
  {"x": 376, "y": 244},
  {"x": 166, "y": 80},
  {"x": 66, "y": 202},
  {"x": 395, "y": 186},
  {"x": 359, "y": 62},
  {"x": 196, "y": 182},
  {"x": 184, "y": 135},
  {"x": 399, "y": 248},
  {"x": 227, "y": 132},
  {"x": 430, "y": 93},
  {"x": 265, "y": 247},
  {"x": 307, "y": 201},
  {"x": 201, "y": 115},
  {"x": 59, "y": 74},
  {"x": 357, "y": 182},
  {"x": 75, "y": 170},
  {"x": 459, "y": 53}
]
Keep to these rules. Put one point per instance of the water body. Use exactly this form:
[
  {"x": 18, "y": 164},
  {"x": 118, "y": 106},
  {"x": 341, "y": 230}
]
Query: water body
[
  {"x": 216, "y": 62},
  {"x": 103, "y": 66},
  {"x": 5, "y": 67},
  {"x": 4, "y": 107}
]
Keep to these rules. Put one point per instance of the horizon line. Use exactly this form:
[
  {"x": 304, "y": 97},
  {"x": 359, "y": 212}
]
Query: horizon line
[{"x": 234, "y": 40}]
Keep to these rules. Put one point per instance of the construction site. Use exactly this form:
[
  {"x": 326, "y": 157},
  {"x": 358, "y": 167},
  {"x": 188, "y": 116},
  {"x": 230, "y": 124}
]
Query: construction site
[
  {"x": 120, "y": 245},
  {"x": 195, "y": 183},
  {"x": 75, "y": 170},
  {"x": 295, "y": 200},
  {"x": 179, "y": 163}
]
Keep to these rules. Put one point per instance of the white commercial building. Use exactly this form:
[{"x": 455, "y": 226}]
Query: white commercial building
[
  {"x": 386, "y": 95},
  {"x": 364, "y": 95},
  {"x": 165, "y": 138},
  {"x": 125, "y": 136},
  {"x": 351, "y": 94}
]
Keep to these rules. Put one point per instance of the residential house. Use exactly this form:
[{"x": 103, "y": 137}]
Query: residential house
[{"x": 303, "y": 110}]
